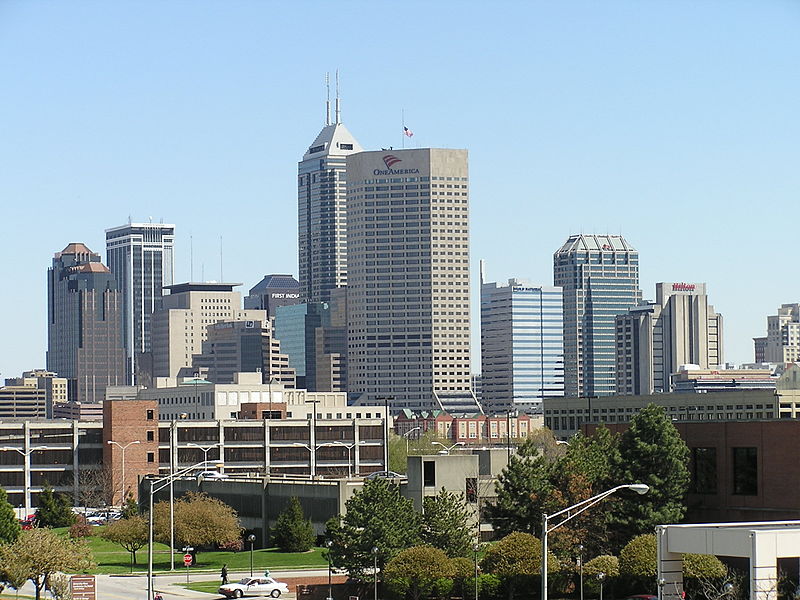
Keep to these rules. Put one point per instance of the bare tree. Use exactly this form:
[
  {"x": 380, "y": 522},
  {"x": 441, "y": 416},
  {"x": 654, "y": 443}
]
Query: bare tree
[{"x": 96, "y": 486}]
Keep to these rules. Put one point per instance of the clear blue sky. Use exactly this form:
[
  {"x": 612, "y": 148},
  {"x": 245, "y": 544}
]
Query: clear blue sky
[{"x": 674, "y": 123}]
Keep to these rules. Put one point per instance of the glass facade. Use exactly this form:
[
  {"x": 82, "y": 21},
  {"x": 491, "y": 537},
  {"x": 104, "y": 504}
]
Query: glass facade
[{"x": 522, "y": 345}]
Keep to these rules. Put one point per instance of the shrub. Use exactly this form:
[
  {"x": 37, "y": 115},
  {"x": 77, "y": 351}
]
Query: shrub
[
  {"x": 232, "y": 545},
  {"x": 696, "y": 566},
  {"x": 80, "y": 530},
  {"x": 604, "y": 563},
  {"x": 638, "y": 557}
]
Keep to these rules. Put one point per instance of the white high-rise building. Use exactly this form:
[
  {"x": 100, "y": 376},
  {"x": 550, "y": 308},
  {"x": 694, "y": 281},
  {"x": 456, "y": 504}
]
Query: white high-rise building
[
  {"x": 141, "y": 257},
  {"x": 522, "y": 345},
  {"x": 321, "y": 209},
  {"x": 654, "y": 339},
  {"x": 408, "y": 279}
]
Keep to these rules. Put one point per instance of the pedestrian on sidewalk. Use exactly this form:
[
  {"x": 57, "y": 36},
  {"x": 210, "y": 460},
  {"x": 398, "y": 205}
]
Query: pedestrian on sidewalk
[{"x": 224, "y": 574}]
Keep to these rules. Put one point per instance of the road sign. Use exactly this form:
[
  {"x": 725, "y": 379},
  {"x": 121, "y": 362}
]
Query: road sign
[
  {"x": 83, "y": 587},
  {"x": 187, "y": 559}
]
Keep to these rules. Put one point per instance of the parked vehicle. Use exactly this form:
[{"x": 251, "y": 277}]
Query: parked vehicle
[
  {"x": 385, "y": 475},
  {"x": 211, "y": 475},
  {"x": 254, "y": 586}
]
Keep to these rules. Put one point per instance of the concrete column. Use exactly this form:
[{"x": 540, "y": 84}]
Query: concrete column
[
  {"x": 670, "y": 568},
  {"x": 76, "y": 484},
  {"x": 356, "y": 449},
  {"x": 763, "y": 566}
]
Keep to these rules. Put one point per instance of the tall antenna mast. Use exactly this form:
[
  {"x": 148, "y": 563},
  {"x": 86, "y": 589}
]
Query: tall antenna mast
[
  {"x": 221, "y": 278},
  {"x": 191, "y": 258},
  {"x": 328, "y": 99},
  {"x": 338, "y": 105}
]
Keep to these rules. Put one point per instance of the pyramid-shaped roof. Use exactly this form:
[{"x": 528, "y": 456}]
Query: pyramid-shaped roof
[{"x": 334, "y": 139}]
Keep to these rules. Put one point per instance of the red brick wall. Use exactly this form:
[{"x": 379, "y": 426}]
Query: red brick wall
[{"x": 125, "y": 421}]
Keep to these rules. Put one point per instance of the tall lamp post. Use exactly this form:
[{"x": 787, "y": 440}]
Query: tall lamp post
[
  {"x": 122, "y": 447},
  {"x": 328, "y": 545},
  {"x": 162, "y": 482},
  {"x": 407, "y": 434},
  {"x": 375, "y": 571},
  {"x": 349, "y": 454},
  {"x": 205, "y": 449},
  {"x": 573, "y": 511},
  {"x": 475, "y": 549},
  {"x": 252, "y": 539},
  {"x": 580, "y": 566},
  {"x": 385, "y": 400},
  {"x": 26, "y": 475},
  {"x": 446, "y": 449}
]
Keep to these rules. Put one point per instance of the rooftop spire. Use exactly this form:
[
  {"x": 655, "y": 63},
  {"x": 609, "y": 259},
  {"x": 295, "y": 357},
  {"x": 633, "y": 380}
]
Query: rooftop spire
[
  {"x": 338, "y": 106},
  {"x": 328, "y": 99}
]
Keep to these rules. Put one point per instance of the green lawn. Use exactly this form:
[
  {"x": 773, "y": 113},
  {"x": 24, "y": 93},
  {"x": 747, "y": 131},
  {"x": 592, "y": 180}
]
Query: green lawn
[
  {"x": 210, "y": 587},
  {"x": 112, "y": 558}
]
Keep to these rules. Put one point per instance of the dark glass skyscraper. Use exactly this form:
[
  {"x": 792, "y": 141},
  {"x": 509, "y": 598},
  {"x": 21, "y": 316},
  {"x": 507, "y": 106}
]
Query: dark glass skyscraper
[
  {"x": 84, "y": 331},
  {"x": 600, "y": 278},
  {"x": 140, "y": 255}
]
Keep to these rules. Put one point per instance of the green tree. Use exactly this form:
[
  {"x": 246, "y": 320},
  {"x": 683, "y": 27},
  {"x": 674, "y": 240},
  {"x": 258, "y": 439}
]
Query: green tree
[
  {"x": 697, "y": 566},
  {"x": 605, "y": 563},
  {"x": 445, "y": 523},
  {"x": 523, "y": 491},
  {"x": 376, "y": 516},
  {"x": 638, "y": 557},
  {"x": 39, "y": 553},
  {"x": 131, "y": 533},
  {"x": 9, "y": 524},
  {"x": 131, "y": 507},
  {"x": 293, "y": 531},
  {"x": 199, "y": 521},
  {"x": 419, "y": 572},
  {"x": 516, "y": 559},
  {"x": 54, "y": 510},
  {"x": 650, "y": 451}
]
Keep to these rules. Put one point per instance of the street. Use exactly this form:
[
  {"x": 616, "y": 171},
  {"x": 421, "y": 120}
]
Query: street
[{"x": 134, "y": 587}]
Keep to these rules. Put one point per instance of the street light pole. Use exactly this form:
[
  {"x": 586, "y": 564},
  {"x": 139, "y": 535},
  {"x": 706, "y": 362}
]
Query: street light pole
[
  {"x": 26, "y": 472},
  {"x": 407, "y": 433},
  {"x": 446, "y": 448},
  {"x": 251, "y": 538},
  {"x": 328, "y": 544},
  {"x": 122, "y": 447},
  {"x": 573, "y": 511},
  {"x": 580, "y": 566},
  {"x": 475, "y": 548},
  {"x": 163, "y": 483},
  {"x": 375, "y": 571},
  {"x": 205, "y": 449},
  {"x": 385, "y": 429}
]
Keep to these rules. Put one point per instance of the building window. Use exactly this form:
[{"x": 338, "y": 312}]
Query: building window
[
  {"x": 151, "y": 436},
  {"x": 704, "y": 467},
  {"x": 429, "y": 473},
  {"x": 150, "y": 415},
  {"x": 471, "y": 489},
  {"x": 151, "y": 457},
  {"x": 745, "y": 471}
]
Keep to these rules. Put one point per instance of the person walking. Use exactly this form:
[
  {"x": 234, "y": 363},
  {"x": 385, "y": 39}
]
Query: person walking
[{"x": 224, "y": 574}]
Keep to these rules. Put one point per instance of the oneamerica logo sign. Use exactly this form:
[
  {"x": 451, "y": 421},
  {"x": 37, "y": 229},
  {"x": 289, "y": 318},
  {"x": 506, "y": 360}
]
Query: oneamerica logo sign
[{"x": 390, "y": 160}]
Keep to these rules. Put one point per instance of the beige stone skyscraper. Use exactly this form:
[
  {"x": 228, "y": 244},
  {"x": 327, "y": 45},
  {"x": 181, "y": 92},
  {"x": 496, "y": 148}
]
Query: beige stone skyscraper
[{"x": 408, "y": 278}]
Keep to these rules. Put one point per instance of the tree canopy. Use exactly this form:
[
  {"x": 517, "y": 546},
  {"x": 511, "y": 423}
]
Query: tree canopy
[
  {"x": 9, "y": 524},
  {"x": 445, "y": 523},
  {"x": 418, "y": 571},
  {"x": 293, "y": 531},
  {"x": 54, "y": 510},
  {"x": 652, "y": 452},
  {"x": 199, "y": 521},
  {"x": 377, "y": 516},
  {"x": 131, "y": 534},
  {"x": 39, "y": 553}
]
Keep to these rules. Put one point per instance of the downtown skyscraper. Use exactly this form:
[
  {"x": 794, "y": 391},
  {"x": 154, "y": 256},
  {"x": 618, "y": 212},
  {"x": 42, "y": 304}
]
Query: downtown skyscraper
[
  {"x": 322, "y": 210},
  {"x": 600, "y": 278},
  {"x": 84, "y": 333},
  {"x": 408, "y": 279},
  {"x": 141, "y": 257}
]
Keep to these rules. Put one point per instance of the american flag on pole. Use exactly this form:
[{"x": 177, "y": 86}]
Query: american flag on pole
[{"x": 407, "y": 132}]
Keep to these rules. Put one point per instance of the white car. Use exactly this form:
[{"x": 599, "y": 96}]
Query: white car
[
  {"x": 254, "y": 586},
  {"x": 211, "y": 475}
]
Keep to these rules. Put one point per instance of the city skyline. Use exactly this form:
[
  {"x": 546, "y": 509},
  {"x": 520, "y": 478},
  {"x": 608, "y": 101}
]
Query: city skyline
[{"x": 658, "y": 122}]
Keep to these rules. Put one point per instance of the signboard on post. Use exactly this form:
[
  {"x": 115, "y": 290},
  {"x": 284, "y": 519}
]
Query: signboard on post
[
  {"x": 83, "y": 587},
  {"x": 187, "y": 559}
]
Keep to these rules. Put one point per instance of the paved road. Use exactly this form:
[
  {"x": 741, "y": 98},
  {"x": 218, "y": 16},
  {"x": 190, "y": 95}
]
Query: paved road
[{"x": 134, "y": 587}]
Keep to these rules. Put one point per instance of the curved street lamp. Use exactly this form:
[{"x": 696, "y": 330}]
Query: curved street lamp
[
  {"x": 447, "y": 449},
  {"x": 573, "y": 511}
]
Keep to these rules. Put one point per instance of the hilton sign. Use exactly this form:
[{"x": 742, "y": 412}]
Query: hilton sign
[{"x": 683, "y": 287}]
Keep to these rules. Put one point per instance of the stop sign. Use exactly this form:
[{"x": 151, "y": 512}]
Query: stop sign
[{"x": 187, "y": 559}]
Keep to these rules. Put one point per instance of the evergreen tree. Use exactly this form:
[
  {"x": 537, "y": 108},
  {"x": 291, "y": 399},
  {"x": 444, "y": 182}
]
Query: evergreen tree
[
  {"x": 54, "y": 510},
  {"x": 445, "y": 523},
  {"x": 376, "y": 516},
  {"x": 651, "y": 451},
  {"x": 293, "y": 531},
  {"x": 9, "y": 524},
  {"x": 131, "y": 507},
  {"x": 522, "y": 490}
]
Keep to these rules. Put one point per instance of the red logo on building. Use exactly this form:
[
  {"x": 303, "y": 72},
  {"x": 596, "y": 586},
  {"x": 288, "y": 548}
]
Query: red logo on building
[
  {"x": 682, "y": 287},
  {"x": 390, "y": 159}
]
